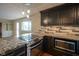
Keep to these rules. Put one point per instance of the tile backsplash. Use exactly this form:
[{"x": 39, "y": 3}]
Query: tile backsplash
[{"x": 61, "y": 30}]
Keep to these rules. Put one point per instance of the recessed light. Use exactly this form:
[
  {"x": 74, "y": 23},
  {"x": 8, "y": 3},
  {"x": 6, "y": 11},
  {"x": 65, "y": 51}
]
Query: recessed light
[{"x": 27, "y": 4}]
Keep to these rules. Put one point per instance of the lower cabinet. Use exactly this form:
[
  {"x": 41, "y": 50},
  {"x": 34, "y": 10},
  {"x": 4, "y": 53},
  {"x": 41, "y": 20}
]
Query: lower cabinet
[
  {"x": 60, "y": 46},
  {"x": 19, "y": 51},
  {"x": 48, "y": 43}
]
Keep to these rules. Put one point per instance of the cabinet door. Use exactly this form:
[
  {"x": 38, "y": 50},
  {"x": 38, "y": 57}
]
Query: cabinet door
[
  {"x": 47, "y": 44},
  {"x": 53, "y": 15},
  {"x": 44, "y": 18},
  {"x": 77, "y": 14},
  {"x": 67, "y": 15},
  {"x": 49, "y": 18},
  {"x": 0, "y": 30},
  {"x": 51, "y": 44}
]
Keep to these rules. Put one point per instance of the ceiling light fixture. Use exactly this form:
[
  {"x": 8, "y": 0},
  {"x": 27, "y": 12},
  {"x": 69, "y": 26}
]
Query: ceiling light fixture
[
  {"x": 27, "y": 4},
  {"x": 23, "y": 13},
  {"x": 28, "y": 11},
  {"x": 28, "y": 16}
]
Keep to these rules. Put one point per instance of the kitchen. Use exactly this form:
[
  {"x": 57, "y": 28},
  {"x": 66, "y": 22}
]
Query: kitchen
[{"x": 48, "y": 31}]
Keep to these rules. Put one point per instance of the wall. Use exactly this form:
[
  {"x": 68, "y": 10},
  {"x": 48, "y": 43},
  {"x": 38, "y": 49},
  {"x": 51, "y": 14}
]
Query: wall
[
  {"x": 36, "y": 22},
  {"x": 19, "y": 21},
  {"x": 61, "y": 30}
]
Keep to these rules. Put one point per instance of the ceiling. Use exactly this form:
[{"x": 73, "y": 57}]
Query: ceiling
[{"x": 12, "y": 11}]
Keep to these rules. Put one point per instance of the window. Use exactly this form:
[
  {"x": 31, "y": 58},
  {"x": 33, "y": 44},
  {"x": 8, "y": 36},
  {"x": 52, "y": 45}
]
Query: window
[
  {"x": 7, "y": 27},
  {"x": 27, "y": 37},
  {"x": 26, "y": 26},
  {"x": 26, "y": 30},
  {"x": 17, "y": 29}
]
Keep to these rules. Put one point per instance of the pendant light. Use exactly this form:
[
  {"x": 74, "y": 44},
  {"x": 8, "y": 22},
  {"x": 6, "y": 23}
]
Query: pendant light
[{"x": 28, "y": 11}]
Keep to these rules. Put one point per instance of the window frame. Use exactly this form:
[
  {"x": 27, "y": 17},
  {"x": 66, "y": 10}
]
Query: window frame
[{"x": 27, "y": 27}]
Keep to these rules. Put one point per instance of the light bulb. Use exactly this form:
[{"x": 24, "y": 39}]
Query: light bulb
[
  {"x": 27, "y": 16},
  {"x": 23, "y": 12},
  {"x": 27, "y": 4},
  {"x": 28, "y": 11}
]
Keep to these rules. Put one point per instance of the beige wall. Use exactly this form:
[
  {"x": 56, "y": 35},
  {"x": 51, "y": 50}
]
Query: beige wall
[
  {"x": 20, "y": 31},
  {"x": 36, "y": 22}
]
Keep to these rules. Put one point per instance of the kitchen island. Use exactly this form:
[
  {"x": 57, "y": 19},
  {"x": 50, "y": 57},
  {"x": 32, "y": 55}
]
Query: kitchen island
[{"x": 11, "y": 46}]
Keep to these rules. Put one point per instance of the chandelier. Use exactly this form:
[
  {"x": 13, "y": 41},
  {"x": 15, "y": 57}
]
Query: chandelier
[{"x": 27, "y": 11}]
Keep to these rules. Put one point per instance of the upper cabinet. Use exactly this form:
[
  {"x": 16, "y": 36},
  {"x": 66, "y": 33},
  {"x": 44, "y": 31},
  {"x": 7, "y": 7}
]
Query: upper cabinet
[
  {"x": 53, "y": 15},
  {"x": 44, "y": 18},
  {"x": 77, "y": 14},
  {"x": 65, "y": 15},
  {"x": 49, "y": 17}
]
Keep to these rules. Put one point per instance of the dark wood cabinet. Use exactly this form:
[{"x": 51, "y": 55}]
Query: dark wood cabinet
[
  {"x": 44, "y": 18},
  {"x": 53, "y": 15},
  {"x": 0, "y": 30},
  {"x": 65, "y": 15},
  {"x": 19, "y": 51},
  {"x": 48, "y": 43},
  {"x": 50, "y": 16},
  {"x": 60, "y": 46},
  {"x": 77, "y": 14}
]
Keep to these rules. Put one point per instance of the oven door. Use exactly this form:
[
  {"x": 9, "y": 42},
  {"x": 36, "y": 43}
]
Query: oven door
[
  {"x": 36, "y": 48},
  {"x": 65, "y": 45}
]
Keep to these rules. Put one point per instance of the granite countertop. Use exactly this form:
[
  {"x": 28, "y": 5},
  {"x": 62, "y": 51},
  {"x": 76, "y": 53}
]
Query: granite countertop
[
  {"x": 65, "y": 36},
  {"x": 60, "y": 35},
  {"x": 10, "y": 43},
  {"x": 35, "y": 38}
]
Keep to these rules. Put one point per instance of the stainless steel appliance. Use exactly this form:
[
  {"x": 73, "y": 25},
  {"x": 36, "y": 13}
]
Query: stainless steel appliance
[
  {"x": 36, "y": 47},
  {"x": 65, "y": 45},
  {"x": 68, "y": 46}
]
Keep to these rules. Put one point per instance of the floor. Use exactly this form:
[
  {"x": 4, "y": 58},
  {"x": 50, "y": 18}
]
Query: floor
[{"x": 36, "y": 52}]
